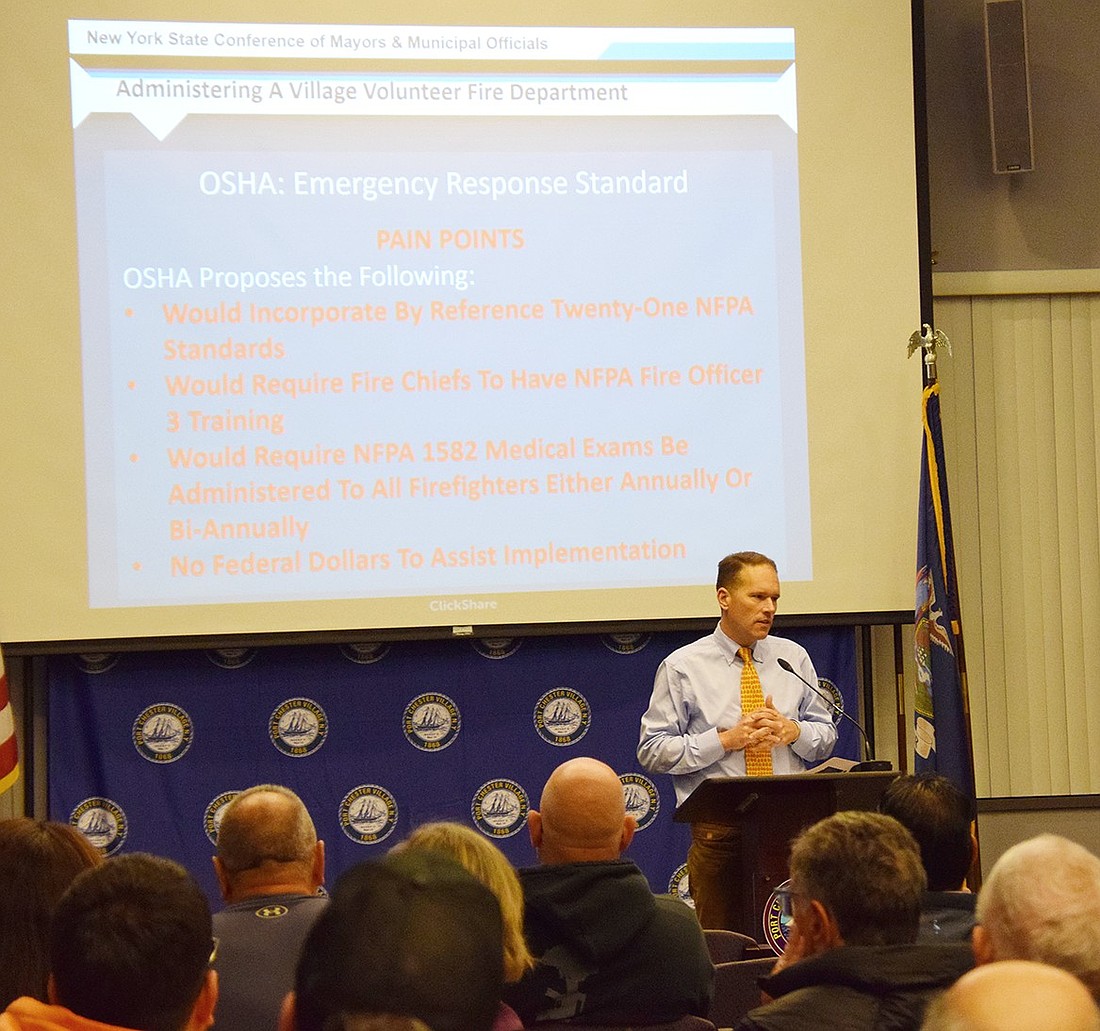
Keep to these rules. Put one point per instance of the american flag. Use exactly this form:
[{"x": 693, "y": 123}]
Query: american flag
[{"x": 9, "y": 752}]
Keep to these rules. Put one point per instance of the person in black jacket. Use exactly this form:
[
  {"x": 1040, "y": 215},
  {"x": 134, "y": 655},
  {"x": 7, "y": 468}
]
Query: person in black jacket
[
  {"x": 852, "y": 960},
  {"x": 413, "y": 934},
  {"x": 607, "y": 949},
  {"x": 939, "y": 816}
]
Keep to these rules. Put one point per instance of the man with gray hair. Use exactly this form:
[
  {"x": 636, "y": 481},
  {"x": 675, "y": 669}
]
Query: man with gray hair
[
  {"x": 1041, "y": 901},
  {"x": 852, "y": 958},
  {"x": 270, "y": 867}
]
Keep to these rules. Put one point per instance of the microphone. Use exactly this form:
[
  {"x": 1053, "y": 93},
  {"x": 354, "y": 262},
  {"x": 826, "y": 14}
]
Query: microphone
[{"x": 869, "y": 762}]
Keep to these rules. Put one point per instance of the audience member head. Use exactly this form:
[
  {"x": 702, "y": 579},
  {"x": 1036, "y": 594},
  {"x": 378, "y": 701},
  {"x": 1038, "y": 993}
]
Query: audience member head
[
  {"x": 130, "y": 946},
  {"x": 582, "y": 815},
  {"x": 856, "y": 879},
  {"x": 490, "y": 866},
  {"x": 938, "y": 815},
  {"x": 267, "y": 845},
  {"x": 1014, "y": 995},
  {"x": 38, "y": 861},
  {"x": 412, "y": 935},
  {"x": 1041, "y": 901}
]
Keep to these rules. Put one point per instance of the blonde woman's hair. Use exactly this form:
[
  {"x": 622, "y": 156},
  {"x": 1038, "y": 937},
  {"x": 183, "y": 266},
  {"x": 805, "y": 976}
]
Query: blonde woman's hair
[{"x": 489, "y": 865}]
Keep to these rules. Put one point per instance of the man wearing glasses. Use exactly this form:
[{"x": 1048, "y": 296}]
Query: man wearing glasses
[{"x": 852, "y": 957}]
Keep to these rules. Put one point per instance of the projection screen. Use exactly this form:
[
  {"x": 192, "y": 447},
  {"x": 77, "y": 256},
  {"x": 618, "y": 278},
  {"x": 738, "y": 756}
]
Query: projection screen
[{"x": 453, "y": 321}]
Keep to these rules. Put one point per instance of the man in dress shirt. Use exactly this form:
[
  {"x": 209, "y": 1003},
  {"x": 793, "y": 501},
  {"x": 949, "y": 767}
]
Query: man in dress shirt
[{"x": 696, "y": 727}]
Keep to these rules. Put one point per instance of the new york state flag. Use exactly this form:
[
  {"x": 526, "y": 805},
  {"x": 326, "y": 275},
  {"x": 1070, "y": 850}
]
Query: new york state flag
[{"x": 942, "y": 718}]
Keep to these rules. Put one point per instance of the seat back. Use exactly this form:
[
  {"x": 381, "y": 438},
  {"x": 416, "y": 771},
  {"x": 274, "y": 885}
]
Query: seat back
[
  {"x": 736, "y": 990},
  {"x": 726, "y": 946}
]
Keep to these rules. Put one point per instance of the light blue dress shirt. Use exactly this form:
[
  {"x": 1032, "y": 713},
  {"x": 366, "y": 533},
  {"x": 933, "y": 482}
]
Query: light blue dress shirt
[{"x": 698, "y": 690}]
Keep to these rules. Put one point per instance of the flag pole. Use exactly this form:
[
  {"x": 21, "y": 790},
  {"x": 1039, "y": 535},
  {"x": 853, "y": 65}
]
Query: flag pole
[
  {"x": 928, "y": 339},
  {"x": 899, "y": 695}
]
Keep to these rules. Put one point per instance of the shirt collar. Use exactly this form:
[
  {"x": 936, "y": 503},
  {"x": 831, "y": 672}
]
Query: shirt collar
[{"x": 728, "y": 647}]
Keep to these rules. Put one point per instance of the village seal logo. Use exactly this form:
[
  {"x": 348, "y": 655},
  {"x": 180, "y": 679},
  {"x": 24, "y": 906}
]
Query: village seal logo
[
  {"x": 777, "y": 927},
  {"x": 641, "y": 799},
  {"x": 625, "y": 644},
  {"x": 562, "y": 717},
  {"x": 212, "y": 817},
  {"x": 431, "y": 722},
  {"x": 231, "y": 658},
  {"x": 678, "y": 885},
  {"x": 368, "y": 814},
  {"x": 833, "y": 692},
  {"x": 365, "y": 652},
  {"x": 500, "y": 808},
  {"x": 102, "y": 822},
  {"x": 163, "y": 733},
  {"x": 298, "y": 727},
  {"x": 496, "y": 647}
]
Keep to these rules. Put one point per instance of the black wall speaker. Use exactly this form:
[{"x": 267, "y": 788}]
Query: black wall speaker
[{"x": 1009, "y": 85}]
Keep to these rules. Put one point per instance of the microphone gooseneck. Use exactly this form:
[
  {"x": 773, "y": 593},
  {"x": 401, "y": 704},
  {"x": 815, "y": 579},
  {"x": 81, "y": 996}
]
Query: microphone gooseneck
[{"x": 868, "y": 753}]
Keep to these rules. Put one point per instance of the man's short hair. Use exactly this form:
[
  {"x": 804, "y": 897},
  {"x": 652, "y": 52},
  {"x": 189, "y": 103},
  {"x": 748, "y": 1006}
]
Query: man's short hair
[
  {"x": 414, "y": 935},
  {"x": 938, "y": 815},
  {"x": 729, "y": 569},
  {"x": 865, "y": 869},
  {"x": 1041, "y": 901},
  {"x": 130, "y": 944},
  {"x": 285, "y": 835}
]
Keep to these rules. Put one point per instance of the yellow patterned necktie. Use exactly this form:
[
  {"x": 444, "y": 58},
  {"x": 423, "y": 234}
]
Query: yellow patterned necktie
[{"x": 758, "y": 761}]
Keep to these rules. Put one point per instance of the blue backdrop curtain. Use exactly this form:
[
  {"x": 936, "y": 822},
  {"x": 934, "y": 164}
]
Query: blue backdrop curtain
[{"x": 144, "y": 748}]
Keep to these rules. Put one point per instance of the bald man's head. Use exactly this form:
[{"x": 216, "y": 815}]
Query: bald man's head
[
  {"x": 1014, "y": 995},
  {"x": 267, "y": 845},
  {"x": 582, "y": 815}
]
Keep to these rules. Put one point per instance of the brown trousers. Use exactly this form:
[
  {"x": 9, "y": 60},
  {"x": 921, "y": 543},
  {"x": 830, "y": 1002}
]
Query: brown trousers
[{"x": 714, "y": 870}]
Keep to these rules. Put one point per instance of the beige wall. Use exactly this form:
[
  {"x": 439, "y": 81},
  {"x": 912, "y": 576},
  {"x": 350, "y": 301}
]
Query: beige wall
[
  {"x": 1019, "y": 404},
  {"x": 998, "y": 830},
  {"x": 1045, "y": 219}
]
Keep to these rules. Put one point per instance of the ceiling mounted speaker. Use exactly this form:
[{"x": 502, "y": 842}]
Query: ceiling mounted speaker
[{"x": 1009, "y": 85}]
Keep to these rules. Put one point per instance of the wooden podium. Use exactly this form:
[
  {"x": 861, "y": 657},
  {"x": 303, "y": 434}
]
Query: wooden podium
[{"x": 771, "y": 811}]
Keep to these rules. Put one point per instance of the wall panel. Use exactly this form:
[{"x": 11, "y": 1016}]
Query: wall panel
[{"x": 1020, "y": 424}]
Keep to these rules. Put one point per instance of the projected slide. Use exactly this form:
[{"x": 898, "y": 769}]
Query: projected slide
[{"x": 430, "y": 329}]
